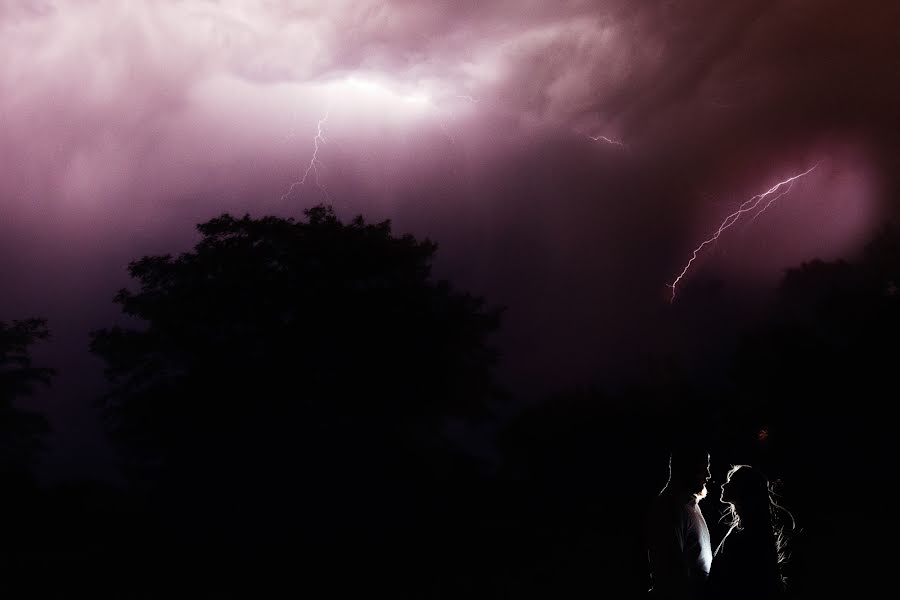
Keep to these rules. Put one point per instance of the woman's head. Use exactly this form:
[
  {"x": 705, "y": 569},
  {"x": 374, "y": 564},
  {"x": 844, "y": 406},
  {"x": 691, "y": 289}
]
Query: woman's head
[
  {"x": 751, "y": 505},
  {"x": 746, "y": 491}
]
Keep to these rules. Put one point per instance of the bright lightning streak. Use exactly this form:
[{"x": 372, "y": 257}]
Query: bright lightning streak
[
  {"x": 371, "y": 94},
  {"x": 603, "y": 138},
  {"x": 600, "y": 138},
  {"x": 747, "y": 206},
  {"x": 314, "y": 162},
  {"x": 771, "y": 202}
]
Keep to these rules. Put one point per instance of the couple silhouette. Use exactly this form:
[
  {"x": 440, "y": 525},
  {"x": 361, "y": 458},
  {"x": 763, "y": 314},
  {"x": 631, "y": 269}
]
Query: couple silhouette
[{"x": 746, "y": 563}]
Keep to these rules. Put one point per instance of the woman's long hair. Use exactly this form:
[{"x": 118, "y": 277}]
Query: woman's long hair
[{"x": 753, "y": 503}]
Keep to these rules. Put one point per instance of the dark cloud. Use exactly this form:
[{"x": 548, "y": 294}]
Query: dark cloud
[{"x": 470, "y": 122}]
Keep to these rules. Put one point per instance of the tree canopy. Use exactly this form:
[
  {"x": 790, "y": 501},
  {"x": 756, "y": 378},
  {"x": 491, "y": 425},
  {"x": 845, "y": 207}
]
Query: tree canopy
[
  {"x": 20, "y": 430},
  {"x": 277, "y": 324}
]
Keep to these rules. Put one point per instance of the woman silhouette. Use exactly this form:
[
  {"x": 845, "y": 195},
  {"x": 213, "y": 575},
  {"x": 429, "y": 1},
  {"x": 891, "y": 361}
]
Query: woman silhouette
[{"x": 746, "y": 563}]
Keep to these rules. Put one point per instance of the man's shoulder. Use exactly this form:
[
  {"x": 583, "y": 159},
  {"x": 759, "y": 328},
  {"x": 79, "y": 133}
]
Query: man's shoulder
[
  {"x": 673, "y": 500},
  {"x": 666, "y": 506}
]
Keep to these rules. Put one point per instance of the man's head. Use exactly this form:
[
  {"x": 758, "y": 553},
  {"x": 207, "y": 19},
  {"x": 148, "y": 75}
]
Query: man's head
[{"x": 689, "y": 470}]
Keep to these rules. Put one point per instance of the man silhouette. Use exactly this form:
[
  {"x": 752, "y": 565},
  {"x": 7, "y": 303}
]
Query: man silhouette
[{"x": 678, "y": 539}]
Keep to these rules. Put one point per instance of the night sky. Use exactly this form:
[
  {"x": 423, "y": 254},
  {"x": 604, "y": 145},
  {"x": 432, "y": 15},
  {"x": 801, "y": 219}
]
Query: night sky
[{"x": 567, "y": 156}]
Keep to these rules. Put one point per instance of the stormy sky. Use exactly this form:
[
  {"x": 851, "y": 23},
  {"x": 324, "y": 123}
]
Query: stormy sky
[{"x": 567, "y": 156}]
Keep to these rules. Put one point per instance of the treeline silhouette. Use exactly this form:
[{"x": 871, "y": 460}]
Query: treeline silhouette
[{"x": 284, "y": 409}]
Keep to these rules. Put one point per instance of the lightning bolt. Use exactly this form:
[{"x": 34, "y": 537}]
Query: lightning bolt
[
  {"x": 314, "y": 162},
  {"x": 600, "y": 138},
  {"x": 319, "y": 140},
  {"x": 603, "y": 138},
  {"x": 443, "y": 122},
  {"x": 771, "y": 202},
  {"x": 772, "y": 194}
]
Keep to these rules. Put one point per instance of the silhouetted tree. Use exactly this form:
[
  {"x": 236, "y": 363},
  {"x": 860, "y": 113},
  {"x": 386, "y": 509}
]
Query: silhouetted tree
[
  {"x": 303, "y": 367},
  {"x": 822, "y": 365},
  {"x": 21, "y": 433},
  {"x": 818, "y": 380},
  {"x": 20, "y": 430},
  {"x": 271, "y": 317}
]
